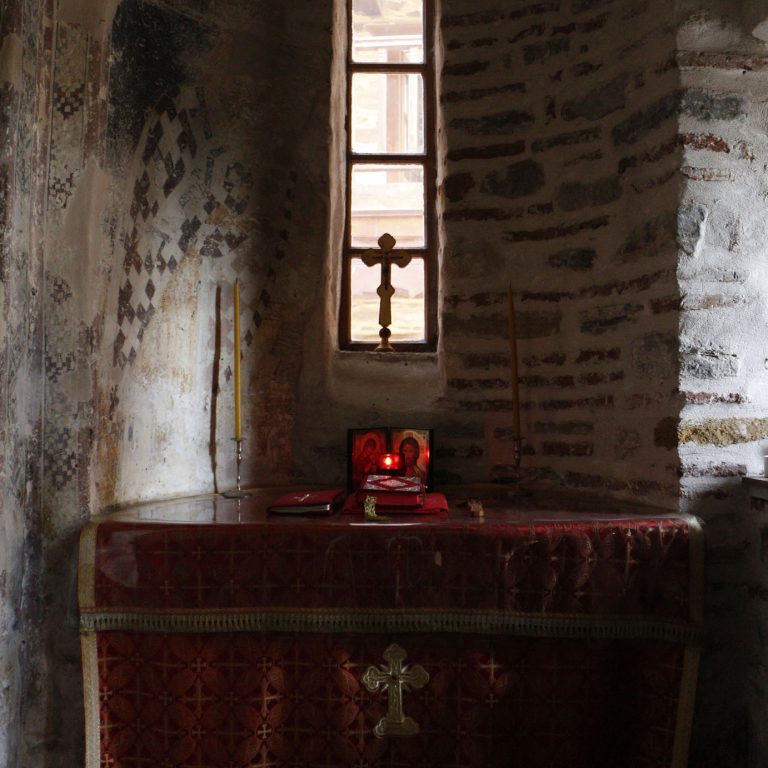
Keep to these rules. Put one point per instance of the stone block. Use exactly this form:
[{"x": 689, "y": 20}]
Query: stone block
[
  {"x": 495, "y": 123},
  {"x": 457, "y": 185},
  {"x": 543, "y": 50},
  {"x": 556, "y": 232},
  {"x": 487, "y": 152},
  {"x": 576, "y": 195},
  {"x": 465, "y": 68},
  {"x": 708, "y": 363},
  {"x": 537, "y": 325},
  {"x": 708, "y": 105},
  {"x": 655, "y": 355},
  {"x": 639, "y": 123},
  {"x": 598, "y": 103},
  {"x": 567, "y": 139},
  {"x": 690, "y": 226},
  {"x": 722, "y": 432},
  {"x": 564, "y": 427},
  {"x": 488, "y": 326},
  {"x": 707, "y": 141},
  {"x": 559, "y": 448},
  {"x": 595, "y": 356},
  {"x": 627, "y": 443},
  {"x": 518, "y": 180},
  {"x": 665, "y": 433},
  {"x": 647, "y": 239},
  {"x": 605, "y": 319}
]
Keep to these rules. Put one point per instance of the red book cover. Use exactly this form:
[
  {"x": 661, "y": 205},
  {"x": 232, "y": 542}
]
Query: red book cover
[
  {"x": 392, "y": 491},
  {"x": 319, "y": 502}
]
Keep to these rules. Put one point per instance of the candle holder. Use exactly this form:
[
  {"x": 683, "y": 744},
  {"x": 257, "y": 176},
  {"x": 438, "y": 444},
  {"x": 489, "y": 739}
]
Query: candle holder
[
  {"x": 517, "y": 451},
  {"x": 237, "y": 493}
]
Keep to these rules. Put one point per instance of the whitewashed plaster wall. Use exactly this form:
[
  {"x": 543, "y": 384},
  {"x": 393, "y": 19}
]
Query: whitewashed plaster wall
[{"x": 723, "y": 275}]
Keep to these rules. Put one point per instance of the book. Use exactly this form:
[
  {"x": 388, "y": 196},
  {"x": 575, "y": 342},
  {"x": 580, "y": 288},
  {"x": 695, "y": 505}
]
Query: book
[
  {"x": 316, "y": 502},
  {"x": 392, "y": 491}
]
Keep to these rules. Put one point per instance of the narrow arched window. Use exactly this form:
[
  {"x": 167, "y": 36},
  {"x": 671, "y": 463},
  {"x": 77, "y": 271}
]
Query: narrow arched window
[{"x": 390, "y": 157}]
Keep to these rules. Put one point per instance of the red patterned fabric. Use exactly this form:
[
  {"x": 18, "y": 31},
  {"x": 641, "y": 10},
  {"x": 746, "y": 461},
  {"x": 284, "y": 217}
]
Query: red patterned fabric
[
  {"x": 637, "y": 567},
  {"x": 216, "y": 698},
  {"x": 237, "y": 700}
]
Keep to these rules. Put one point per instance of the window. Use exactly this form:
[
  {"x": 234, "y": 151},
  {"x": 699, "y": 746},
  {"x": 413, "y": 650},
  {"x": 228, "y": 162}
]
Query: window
[{"x": 390, "y": 170}]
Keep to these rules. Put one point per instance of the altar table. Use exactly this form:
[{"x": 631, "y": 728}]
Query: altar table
[{"x": 544, "y": 635}]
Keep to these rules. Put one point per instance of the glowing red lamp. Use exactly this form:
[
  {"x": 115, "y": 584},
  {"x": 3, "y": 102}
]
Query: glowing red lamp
[{"x": 389, "y": 462}]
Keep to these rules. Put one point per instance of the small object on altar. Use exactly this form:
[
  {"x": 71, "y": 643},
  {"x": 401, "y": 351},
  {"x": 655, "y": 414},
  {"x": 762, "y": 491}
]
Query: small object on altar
[
  {"x": 434, "y": 504},
  {"x": 392, "y": 491},
  {"x": 369, "y": 505},
  {"x": 315, "y": 502},
  {"x": 476, "y": 507}
]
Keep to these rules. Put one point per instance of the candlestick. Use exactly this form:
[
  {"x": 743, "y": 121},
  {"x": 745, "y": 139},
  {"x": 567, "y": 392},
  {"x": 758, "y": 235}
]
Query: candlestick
[
  {"x": 513, "y": 367},
  {"x": 238, "y": 415}
]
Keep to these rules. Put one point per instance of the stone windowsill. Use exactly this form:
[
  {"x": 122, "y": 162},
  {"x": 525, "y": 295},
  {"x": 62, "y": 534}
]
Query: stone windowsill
[{"x": 757, "y": 485}]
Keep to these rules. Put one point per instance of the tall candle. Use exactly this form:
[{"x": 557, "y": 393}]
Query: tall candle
[
  {"x": 513, "y": 367},
  {"x": 238, "y": 417}
]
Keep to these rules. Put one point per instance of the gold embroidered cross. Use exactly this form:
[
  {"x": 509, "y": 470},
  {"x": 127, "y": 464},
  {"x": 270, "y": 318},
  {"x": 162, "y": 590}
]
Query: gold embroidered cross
[
  {"x": 393, "y": 678},
  {"x": 385, "y": 257}
]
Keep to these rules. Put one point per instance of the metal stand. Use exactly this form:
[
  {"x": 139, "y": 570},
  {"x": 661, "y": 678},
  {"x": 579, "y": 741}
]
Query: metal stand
[
  {"x": 238, "y": 493},
  {"x": 517, "y": 451}
]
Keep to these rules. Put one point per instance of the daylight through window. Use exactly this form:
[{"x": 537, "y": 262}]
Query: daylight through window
[{"x": 390, "y": 169}]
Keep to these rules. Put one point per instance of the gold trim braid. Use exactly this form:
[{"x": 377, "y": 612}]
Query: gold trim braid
[
  {"x": 327, "y": 621},
  {"x": 86, "y": 568},
  {"x": 90, "y": 662},
  {"x": 685, "y": 705}
]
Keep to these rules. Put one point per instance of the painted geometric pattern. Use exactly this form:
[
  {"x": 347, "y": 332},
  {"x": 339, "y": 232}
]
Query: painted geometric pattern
[
  {"x": 62, "y": 354},
  {"x": 186, "y": 195},
  {"x": 250, "y": 700},
  {"x": 67, "y": 115},
  {"x": 60, "y": 359}
]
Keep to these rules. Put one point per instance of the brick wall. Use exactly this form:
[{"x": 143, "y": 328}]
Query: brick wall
[{"x": 561, "y": 180}]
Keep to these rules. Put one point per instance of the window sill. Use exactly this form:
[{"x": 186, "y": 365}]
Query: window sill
[
  {"x": 757, "y": 486},
  {"x": 409, "y": 381}
]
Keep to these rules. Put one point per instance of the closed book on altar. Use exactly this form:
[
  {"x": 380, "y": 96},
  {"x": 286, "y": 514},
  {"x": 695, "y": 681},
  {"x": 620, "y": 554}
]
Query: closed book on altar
[
  {"x": 321, "y": 502},
  {"x": 393, "y": 491}
]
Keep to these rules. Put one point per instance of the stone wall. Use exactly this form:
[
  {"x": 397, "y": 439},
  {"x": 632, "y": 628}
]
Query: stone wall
[{"x": 723, "y": 429}]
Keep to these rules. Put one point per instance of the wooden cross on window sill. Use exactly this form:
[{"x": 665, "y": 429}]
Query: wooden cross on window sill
[{"x": 385, "y": 257}]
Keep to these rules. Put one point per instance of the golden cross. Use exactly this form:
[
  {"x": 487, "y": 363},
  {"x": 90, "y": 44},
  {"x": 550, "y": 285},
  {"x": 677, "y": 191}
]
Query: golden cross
[
  {"x": 385, "y": 257},
  {"x": 392, "y": 679}
]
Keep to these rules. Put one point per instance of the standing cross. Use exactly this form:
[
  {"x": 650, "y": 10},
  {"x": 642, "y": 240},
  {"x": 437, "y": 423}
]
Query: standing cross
[
  {"x": 393, "y": 679},
  {"x": 385, "y": 257}
]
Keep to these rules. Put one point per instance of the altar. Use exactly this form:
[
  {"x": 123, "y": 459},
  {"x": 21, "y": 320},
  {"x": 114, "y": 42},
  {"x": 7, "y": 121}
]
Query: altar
[{"x": 555, "y": 633}]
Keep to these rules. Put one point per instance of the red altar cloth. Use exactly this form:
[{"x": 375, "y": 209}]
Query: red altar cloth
[{"x": 551, "y": 638}]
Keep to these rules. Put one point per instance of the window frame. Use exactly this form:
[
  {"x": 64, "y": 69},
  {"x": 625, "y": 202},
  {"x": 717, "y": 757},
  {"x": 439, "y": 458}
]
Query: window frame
[{"x": 427, "y": 160}]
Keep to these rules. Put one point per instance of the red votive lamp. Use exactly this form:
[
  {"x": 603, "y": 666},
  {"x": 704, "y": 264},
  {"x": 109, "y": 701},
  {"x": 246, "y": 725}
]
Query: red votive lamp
[{"x": 389, "y": 463}]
